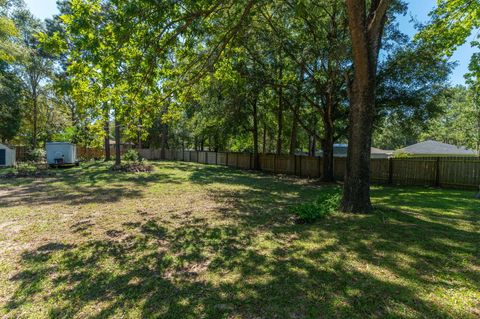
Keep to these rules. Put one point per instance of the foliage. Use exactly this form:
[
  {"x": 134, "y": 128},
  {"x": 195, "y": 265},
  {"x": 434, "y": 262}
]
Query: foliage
[
  {"x": 132, "y": 156},
  {"x": 26, "y": 168},
  {"x": 458, "y": 123},
  {"x": 325, "y": 204},
  {"x": 36, "y": 155}
]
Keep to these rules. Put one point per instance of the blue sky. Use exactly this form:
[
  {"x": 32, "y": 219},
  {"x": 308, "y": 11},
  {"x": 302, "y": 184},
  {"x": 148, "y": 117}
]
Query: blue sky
[{"x": 418, "y": 10}]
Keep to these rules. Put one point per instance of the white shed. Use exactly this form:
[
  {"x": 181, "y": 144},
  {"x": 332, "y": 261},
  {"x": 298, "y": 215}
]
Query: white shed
[
  {"x": 7, "y": 156},
  {"x": 60, "y": 153}
]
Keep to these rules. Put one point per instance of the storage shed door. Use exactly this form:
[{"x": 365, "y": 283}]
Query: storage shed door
[{"x": 3, "y": 159}]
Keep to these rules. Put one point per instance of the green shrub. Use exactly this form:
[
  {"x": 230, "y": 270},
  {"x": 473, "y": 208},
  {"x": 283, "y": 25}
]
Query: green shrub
[
  {"x": 25, "y": 169},
  {"x": 132, "y": 156},
  {"x": 36, "y": 155},
  {"x": 325, "y": 204}
]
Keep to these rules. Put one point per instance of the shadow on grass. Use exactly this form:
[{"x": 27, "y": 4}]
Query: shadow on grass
[
  {"x": 255, "y": 264},
  {"x": 92, "y": 183},
  {"x": 251, "y": 261}
]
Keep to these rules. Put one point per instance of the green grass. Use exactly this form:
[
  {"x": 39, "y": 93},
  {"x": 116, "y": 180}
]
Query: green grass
[{"x": 197, "y": 241}]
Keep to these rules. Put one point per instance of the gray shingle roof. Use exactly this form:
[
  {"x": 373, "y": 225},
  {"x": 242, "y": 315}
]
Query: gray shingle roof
[{"x": 436, "y": 148}]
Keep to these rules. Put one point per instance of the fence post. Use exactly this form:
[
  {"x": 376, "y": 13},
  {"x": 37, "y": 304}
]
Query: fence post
[
  {"x": 216, "y": 158},
  {"x": 437, "y": 172},
  {"x": 390, "y": 170}
]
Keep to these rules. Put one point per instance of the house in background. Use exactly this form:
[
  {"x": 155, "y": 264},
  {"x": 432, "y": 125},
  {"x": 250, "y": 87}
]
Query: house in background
[
  {"x": 434, "y": 148},
  {"x": 340, "y": 150},
  {"x": 7, "y": 156}
]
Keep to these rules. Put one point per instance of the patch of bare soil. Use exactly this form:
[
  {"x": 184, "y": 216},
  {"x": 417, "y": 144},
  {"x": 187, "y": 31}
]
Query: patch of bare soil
[{"x": 133, "y": 168}]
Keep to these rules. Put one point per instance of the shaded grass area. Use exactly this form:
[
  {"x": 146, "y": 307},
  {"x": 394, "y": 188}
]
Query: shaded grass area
[{"x": 196, "y": 241}]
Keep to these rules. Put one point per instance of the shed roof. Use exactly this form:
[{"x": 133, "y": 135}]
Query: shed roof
[
  {"x": 430, "y": 147},
  {"x": 6, "y": 146}
]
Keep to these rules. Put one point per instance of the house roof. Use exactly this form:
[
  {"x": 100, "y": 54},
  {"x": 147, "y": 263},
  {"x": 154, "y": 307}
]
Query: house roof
[
  {"x": 341, "y": 150},
  {"x": 436, "y": 148}
]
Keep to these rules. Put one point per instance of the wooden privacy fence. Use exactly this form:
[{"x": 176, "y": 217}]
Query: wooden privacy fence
[{"x": 459, "y": 172}]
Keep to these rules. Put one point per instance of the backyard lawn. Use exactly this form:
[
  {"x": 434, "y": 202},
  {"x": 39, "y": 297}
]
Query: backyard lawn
[{"x": 196, "y": 241}]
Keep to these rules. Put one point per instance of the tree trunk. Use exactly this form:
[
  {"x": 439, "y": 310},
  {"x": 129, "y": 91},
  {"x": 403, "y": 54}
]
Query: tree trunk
[
  {"x": 327, "y": 144},
  {"x": 35, "y": 118},
  {"x": 164, "y": 140},
  {"x": 139, "y": 135},
  {"x": 264, "y": 137},
  {"x": 256, "y": 162},
  {"x": 118, "y": 155},
  {"x": 280, "y": 119},
  {"x": 312, "y": 142},
  {"x": 366, "y": 33},
  {"x": 107, "y": 139},
  {"x": 296, "y": 110}
]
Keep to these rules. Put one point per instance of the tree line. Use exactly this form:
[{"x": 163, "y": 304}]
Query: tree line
[{"x": 261, "y": 76}]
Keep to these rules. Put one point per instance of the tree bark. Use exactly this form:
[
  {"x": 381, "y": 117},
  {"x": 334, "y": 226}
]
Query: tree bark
[
  {"x": 106, "y": 140},
  {"x": 35, "y": 118},
  {"x": 296, "y": 109},
  {"x": 118, "y": 155},
  {"x": 312, "y": 143},
  {"x": 280, "y": 110},
  {"x": 164, "y": 141},
  {"x": 264, "y": 138},
  {"x": 366, "y": 32},
  {"x": 327, "y": 150},
  {"x": 256, "y": 162},
  {"x": 139, "y": 135}
]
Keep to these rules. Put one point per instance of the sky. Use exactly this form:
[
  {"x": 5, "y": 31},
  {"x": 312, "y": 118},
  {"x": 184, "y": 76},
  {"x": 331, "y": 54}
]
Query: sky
[{"x": 418, "y": 11}]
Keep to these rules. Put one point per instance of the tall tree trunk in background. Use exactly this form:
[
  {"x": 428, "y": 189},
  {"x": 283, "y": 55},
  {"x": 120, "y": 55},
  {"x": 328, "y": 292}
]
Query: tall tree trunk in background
[
  {"x": 280, "y": 108},
  {"x": 256, "y": 162},
  {"x": 164, "y": 141},
  {"x": 312, "y": 142},
  {"x": 106, "y": 140},
  {"x": 139, "y": 135},
  {"x": 118, "y": 155},
  {"x": 366, "y": 32},
  {"x": 294, "y": 136},
  {"x": 35, "y": 117},
  {"x": 327, "y": 142},
  {"x": 264, "y": 138}
]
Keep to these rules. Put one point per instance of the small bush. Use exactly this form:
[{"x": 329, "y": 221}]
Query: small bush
[
  {"x": 132, "y": 156},
  {"x": 26, "y": 169},
  {"x": 325, "y": 204},
  {"x": 36, "y": 155}
]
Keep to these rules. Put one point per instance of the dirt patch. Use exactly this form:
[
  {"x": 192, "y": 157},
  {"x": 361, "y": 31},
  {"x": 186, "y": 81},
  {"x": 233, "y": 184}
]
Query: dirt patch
[{"x": 133, "y": 168}]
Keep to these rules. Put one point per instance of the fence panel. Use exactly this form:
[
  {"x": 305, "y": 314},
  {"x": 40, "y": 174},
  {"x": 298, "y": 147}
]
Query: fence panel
[
  {"x": 244, "y": 160},
  {"x": 380, "y": 170},
  {"x": 285, "y": 164},
  {"x": 211, "y": 157},
  {"x": 267, "y": 162},
  {"x": 414, "y": 171},
  {"x": 425, "y": 171},
  {"x": 310, "y": 166},
  {"x": 222, "y": 158},
  {"x": 232, "y": 159},
  {"x": 459, "y": 172}
]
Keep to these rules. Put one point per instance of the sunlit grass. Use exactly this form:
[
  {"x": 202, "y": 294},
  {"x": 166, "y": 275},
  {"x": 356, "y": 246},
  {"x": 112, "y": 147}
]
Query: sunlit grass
[{"x": 197, "y": 241}]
